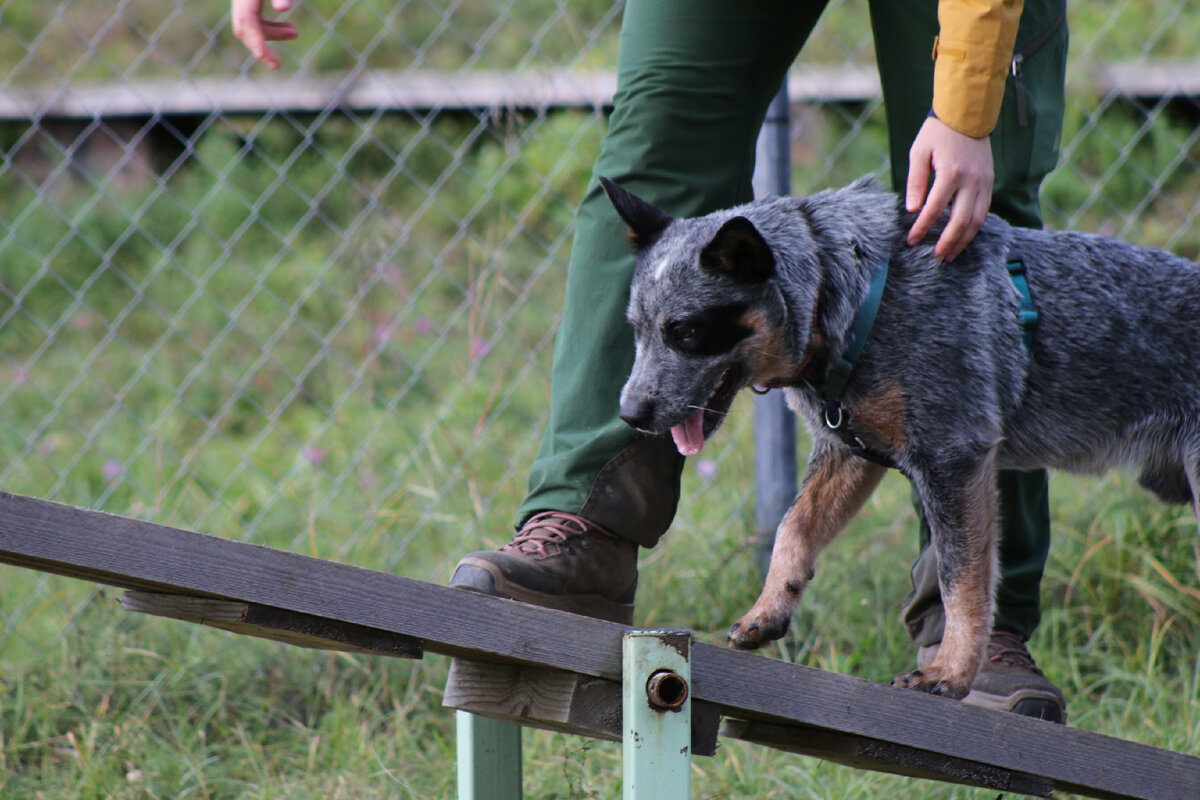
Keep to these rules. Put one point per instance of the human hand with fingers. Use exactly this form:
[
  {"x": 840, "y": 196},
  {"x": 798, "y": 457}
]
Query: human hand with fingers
[
  {"x": 253, "y": 31},
  {"x": 961, "y": 167}
]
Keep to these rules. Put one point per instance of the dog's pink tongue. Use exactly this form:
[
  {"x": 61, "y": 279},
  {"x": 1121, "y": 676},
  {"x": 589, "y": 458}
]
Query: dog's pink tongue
[{"x": 689, "y": 434}]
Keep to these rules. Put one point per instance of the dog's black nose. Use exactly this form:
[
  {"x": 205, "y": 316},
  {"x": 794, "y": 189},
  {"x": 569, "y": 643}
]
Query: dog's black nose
[{"x": 638, "y": 412}]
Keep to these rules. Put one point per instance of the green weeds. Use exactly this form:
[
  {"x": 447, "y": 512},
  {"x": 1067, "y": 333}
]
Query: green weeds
[{"x": 292, "y": 341}]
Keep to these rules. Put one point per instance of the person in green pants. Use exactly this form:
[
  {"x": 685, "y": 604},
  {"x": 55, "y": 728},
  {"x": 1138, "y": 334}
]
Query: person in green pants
[{"x": 975, "y": 126}]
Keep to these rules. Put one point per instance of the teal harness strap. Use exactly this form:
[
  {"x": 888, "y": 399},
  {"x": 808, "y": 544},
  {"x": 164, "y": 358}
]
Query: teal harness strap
[
  {"x": 1028, "y": 313},
  {"x": 839, "y": 375},
  {"x": 830, "y": 391}
]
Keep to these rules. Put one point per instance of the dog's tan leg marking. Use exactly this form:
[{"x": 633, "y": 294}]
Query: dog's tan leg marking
[
  {"x": 885, "y": 415},
  {"x": 967, "y": 578},
  {"x": 835, "y": 487}
]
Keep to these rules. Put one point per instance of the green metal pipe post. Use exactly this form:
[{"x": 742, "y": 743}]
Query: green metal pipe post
[
  {"x": 489, "y": 758},
  {"x": 656, "y": 715}
]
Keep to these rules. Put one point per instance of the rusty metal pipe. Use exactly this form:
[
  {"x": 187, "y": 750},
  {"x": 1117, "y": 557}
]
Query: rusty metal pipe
[{"x": 666, "y": 690}]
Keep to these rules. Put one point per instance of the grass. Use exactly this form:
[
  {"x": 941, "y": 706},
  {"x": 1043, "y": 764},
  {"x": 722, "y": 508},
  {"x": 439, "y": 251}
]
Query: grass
[
  {"x": 255, "y": 345},
  {"x": 108, "y": 705}
]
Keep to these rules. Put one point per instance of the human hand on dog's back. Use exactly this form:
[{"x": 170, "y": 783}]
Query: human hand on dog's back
[
  {"x": 253, "y": 31},
  {"x": 962, "y": 172}
]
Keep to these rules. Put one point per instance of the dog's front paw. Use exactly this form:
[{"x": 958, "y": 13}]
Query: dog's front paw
[
  {"x": 754, "y": 630},
  {"x": 933, "y": 681}
]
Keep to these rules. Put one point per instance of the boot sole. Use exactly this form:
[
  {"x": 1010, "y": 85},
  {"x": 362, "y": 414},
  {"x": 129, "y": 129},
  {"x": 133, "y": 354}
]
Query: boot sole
[
  {"x": 1036, "y": 703},
  {"x": 1026, "y": 702},
  {"x": 486, "y": 578}
]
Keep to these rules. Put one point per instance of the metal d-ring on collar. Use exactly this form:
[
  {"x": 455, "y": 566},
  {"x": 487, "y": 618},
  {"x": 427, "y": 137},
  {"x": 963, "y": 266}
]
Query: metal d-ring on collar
[
  {"x": 842, "y": 415},
  {"x": 837, "y": 418},
  {"x": 835, "y": 382}
]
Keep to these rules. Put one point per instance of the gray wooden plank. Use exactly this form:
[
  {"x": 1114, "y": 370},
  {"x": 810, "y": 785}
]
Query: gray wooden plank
[
  {"x": 862, "y": 753},
  {"x": 141, "y": 555},
  {"x": 1075, "y": 760},
  {"x": 373, "y": 90},
  {"x": 426, "y": 90},
  {"x": 1142, "y": 78},
  {"x": 368, "y": 90},
  {"x": 265, "y": 622}
]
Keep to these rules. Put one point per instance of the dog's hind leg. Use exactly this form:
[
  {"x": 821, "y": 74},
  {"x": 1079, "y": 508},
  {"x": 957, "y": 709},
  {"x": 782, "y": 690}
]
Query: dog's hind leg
[
  {"x": 1191, "y": 456},
  {"x": 1169, "y": 481},
  {"x": 1174, "y": 477},
  {"x": 836, "y": 484},
  {"x": 962, "y": 508}
]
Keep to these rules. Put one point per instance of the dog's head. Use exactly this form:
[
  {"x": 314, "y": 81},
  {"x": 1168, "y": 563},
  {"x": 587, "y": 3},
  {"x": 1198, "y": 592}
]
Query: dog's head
[{"x": 708, "y": 319}]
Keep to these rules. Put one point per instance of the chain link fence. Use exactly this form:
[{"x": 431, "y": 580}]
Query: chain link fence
[{"x": 314, "y": 309}]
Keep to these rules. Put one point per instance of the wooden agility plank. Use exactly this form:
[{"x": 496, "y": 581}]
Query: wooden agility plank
[
  {"x": 265, "y": 622},
  {"x": 51, "y": 537}
]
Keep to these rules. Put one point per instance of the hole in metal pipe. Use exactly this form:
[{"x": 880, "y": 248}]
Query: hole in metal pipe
[{"x": 666, "y": 690}]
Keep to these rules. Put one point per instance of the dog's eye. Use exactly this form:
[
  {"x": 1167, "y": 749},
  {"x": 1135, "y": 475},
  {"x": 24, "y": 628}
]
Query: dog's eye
[
  {"x": 679, "y": 332},
  {"x": 708, "y": 332}
]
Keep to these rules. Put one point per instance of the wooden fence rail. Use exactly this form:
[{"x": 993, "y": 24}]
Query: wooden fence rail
[
  {"x": 425, "y": 90},
  {"x": 257, "y": 590}
]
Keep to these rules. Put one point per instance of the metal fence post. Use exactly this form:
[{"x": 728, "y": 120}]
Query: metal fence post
[
  {"x": 489, "y": 758},
  {"x": 774, "y": 424},
  {"x": 656, "y": 715}
]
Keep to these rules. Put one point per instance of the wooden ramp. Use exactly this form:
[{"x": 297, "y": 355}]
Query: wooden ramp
[{"x": 566, "y": 664}]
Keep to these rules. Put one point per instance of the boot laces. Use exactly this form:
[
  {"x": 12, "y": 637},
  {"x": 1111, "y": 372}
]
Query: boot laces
[
  {"x": 550, "y": 532},
  {"x": 1007, "y": 648}
]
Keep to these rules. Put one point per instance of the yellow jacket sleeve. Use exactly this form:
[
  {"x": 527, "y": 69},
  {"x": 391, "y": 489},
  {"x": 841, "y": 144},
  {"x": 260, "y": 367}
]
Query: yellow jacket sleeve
[{"x": 972, "y": 54}]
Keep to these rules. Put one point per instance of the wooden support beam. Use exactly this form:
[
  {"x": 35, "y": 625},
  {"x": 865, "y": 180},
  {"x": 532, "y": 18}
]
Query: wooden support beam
[
  {"x": 265, "y": 622},
  {"x": 558, "y": 701},
  {"x": 141, "y": 555}
]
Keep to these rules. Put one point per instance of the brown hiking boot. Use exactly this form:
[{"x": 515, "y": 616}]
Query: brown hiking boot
[
  {"x": 562, "y": 561},
  {"x": 1009, "y": 680}
]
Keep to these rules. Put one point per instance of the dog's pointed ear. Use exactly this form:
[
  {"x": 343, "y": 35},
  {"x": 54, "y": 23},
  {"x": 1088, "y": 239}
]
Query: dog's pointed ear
[
  {"x": 645, "y": 221},
  {"x": 739, "y": 251}
]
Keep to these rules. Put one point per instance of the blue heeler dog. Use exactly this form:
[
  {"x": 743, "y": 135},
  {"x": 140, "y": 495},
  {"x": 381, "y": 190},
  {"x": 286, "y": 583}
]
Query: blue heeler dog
[{"x": 893, "y": 358}]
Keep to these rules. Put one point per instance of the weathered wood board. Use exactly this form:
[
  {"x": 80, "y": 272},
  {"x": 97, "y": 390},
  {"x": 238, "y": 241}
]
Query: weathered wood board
[{"x": 139, "y": 555}]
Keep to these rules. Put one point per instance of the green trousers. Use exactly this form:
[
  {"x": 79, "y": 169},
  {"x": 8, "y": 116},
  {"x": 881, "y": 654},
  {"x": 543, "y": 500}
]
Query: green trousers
[{"x": 693, "y": 84}]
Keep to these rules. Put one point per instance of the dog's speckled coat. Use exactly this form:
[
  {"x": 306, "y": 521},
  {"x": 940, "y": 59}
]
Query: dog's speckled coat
[{"x": 766, "y": 294}]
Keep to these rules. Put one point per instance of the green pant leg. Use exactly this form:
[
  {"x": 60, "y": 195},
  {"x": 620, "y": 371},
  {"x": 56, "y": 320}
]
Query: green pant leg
[
  {"x": 694, "y": 81},
  {"x": 1024, "y": 152}
]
